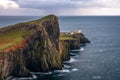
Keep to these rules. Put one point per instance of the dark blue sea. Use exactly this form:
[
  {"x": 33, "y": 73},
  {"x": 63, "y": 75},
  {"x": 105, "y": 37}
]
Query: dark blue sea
[{"x": 99, "y": 60}]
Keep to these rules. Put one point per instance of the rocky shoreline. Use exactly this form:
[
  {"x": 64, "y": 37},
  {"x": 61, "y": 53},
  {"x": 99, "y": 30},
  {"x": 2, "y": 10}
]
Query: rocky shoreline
[{"x": 44, "y": 48}]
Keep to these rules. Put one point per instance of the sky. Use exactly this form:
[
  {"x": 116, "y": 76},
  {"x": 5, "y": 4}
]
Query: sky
[{"x": 59, "y": 7}]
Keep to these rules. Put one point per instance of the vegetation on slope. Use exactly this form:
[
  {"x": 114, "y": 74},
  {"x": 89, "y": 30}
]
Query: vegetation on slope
[
  {"x": 11, "y": 38},
  {"x": 66, "y": 36}
]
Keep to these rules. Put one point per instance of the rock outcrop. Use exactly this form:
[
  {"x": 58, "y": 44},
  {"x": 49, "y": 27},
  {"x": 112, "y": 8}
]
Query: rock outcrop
[
  {"x": 64, "y": 50},
  {"x": 70, "y": 42}
]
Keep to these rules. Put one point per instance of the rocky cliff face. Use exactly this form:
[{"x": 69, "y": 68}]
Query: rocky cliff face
[
  {"x": 40, "y": 52},
  {"x": 41, "y": 48},
  {"x": 64, "y": 50},
  {"x": 79, "y": 39},
  {"x": 73, "y": 40},
  {"x": 70, "y": 42}
]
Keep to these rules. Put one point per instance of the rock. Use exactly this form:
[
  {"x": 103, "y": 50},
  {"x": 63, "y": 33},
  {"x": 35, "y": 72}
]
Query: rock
[
  {"x": 74, "y": 40},
  {"x": 64, "y": 50},
  {"x": 70, "y": 42},
  {"x": 83, "y": 39}
]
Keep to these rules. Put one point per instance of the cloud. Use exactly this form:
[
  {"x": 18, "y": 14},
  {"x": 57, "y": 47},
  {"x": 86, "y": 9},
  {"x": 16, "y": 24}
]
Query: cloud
[
  {"x": 97, "y": 11},
  {"x": 103, "y": 3},
  {"x": 20, "y": 11},
  {"x": 7, "y": 4},
  {"x": 61, "y": 7},
  {"x": 45, "y": 4}
]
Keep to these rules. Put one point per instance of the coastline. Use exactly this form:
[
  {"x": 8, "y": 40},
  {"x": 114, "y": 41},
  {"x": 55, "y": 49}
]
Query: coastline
[{"x": 43, "y": 41}]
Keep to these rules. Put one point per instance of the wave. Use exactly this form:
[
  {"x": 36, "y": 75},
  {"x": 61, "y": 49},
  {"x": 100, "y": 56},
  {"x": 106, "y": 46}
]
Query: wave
[
  {"x": 75, "y": 69},
  {"x": 72, "y": 54},
  {"x": 35, "y": 73},
  {"x": 81, "y": 49},
  {"x": 63, "y": 71},
  {"x": 66, "y": 66},
  {"x": 28, "y": 78},
  {"x": 77, "y": 50},
  {"x": 66, "y": 70},
  {"x": 72, "y": 60},
  {"x": 34, "y": 76}
]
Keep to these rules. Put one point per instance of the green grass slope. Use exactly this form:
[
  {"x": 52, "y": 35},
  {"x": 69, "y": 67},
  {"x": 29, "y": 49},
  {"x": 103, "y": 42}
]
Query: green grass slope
[
  {"x": 66, "y": 36},
  {"x": 11, "y": 38}
]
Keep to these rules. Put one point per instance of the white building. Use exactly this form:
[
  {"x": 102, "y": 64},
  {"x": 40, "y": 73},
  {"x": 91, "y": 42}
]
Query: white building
[{"x": 75, "y": 32}]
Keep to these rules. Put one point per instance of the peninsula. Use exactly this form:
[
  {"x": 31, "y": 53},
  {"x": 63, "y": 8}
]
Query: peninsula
[{"x": 35, "y": 46}]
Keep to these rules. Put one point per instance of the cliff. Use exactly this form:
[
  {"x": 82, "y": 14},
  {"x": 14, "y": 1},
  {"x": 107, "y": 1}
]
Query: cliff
[
  {"x": 31, "y": 46},
  {"x": 74, "y": 40},
  {"x": 35, "y": 46},
  {"x": 69, "y": 42}
]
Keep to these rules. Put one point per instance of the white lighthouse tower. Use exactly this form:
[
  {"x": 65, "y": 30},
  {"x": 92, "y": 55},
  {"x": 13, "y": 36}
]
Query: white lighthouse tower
[{"x": 79, "y": 31}]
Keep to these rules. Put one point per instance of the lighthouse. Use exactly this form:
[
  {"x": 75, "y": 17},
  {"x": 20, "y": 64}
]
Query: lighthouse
[{"x": 79, "y": 31}]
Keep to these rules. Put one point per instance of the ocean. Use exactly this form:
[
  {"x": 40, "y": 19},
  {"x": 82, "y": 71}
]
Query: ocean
[{"x": 99, "y": 60}]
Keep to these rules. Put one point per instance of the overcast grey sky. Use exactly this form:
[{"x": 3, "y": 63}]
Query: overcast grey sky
[{"x": 60, "y": 7}]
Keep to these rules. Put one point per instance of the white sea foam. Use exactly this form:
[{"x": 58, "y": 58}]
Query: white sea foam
[
  {"x": 66, "y": 66},
  {"x": 72, "y": 54},
  {"x": 28, "y": 78},
  {"x": 75, "y": 69},
  {"x": 47, "y": 73},
  {"x": 71, "y": 60},
  {"x": 34, "y": 76},
  {"x": 81, "y": 49},
  {"x": 62, "y": 71}
]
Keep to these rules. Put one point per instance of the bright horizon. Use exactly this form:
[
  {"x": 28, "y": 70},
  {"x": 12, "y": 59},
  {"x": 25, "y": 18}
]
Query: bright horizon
[{"x": 60, "y": 8}]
